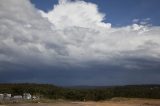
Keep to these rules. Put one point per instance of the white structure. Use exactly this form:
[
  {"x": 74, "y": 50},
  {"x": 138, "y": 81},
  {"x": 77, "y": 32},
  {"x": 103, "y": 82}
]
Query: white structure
[
  {"x": 34, "y": 97},
  {"x": 1, "y": 96},
  {"x": 17, "y": 97},
  {"x": 27, "y": 96},
  {"x": 7, "y": 96}
]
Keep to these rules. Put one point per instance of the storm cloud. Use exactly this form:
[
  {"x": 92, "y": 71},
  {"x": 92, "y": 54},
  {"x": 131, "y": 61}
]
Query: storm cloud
[{"x": 73, "y": 46}]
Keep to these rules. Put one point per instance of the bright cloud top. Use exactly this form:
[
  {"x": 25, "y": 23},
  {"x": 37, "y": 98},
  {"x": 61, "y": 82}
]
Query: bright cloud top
[
  {"x": 79, "y": 13},
  {"x": 73, "y": 32}
]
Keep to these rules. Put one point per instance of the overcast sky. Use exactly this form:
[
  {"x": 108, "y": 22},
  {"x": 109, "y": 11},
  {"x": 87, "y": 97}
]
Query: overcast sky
[{"x": 80, "y": 42}]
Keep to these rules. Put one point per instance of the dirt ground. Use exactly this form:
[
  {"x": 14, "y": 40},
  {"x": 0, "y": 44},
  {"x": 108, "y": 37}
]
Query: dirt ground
[{"x": 113, "y": 102}]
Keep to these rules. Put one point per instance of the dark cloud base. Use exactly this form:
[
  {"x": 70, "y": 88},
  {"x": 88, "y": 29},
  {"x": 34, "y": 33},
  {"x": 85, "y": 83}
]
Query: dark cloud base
[{"x": 93, "y": 75}]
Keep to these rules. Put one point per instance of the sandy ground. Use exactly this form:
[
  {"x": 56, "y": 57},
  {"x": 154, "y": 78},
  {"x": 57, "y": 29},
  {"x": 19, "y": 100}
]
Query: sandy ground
[{"x": 116, "y": 102}]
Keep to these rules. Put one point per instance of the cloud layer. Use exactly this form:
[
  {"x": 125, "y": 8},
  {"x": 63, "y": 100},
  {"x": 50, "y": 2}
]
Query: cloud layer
[{"x": 70, "y": 37}]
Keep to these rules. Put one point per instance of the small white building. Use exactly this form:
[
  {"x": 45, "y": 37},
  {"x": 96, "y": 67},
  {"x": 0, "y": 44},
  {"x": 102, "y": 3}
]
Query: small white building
[
  {"x": 1, "y": 96},
  {"x": 7, "y": 96},
  {"x": 34, "y": 97},
  {"x": 27, "y": 96},
  {"x": 17, "y": 97}
]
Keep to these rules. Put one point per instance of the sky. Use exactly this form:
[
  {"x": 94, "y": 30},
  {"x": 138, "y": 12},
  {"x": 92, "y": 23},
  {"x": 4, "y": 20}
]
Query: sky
[
  {"x": 80, "y": 42},
  {"x": 119, "y": 13}
]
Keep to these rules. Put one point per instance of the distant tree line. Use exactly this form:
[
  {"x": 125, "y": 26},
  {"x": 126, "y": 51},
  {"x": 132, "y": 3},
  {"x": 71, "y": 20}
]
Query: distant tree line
[{"x": 95, "y": 94}]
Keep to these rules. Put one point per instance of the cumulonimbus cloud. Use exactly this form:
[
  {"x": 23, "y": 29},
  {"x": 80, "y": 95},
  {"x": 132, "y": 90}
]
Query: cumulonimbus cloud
[{"x": 72, "y": 32}]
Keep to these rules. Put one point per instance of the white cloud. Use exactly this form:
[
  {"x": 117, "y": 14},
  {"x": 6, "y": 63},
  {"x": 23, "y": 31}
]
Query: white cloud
[
  {"x": 79, "y": 13},
  {"x": 63, "y": 1},
  {"x": 72, "y": 32},
  {"x": 135, "y": 20},
  {"x": 145, "y": 21}
]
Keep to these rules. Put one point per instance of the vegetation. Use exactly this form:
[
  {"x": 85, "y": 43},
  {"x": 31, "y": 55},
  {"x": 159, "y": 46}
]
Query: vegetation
[{"x": 94, "y": 93}]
